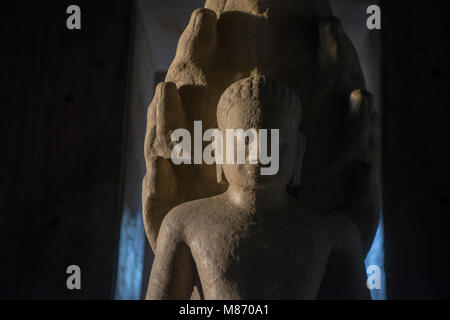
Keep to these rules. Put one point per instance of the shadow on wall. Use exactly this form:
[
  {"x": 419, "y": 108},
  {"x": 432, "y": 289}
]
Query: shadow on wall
[{"x": 157, "y": 28}]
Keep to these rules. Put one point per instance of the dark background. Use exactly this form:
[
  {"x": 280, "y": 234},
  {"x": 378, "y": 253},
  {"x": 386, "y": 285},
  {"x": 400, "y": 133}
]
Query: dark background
[
  {"x": 63, "y": 143},
  {"x": 416, "y": 162}
]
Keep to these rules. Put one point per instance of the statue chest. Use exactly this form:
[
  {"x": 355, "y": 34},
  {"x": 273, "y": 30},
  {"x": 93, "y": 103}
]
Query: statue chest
[{"x": 260, "y": 261}]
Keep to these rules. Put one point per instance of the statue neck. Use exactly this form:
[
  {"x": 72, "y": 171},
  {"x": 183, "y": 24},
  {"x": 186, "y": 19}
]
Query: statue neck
[{"x": 258, "y": 199}]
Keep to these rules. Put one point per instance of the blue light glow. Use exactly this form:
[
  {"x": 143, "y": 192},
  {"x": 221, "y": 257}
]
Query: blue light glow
[
  {"x": 376, "y": 257},
  {"x": 131, "y": 257}
]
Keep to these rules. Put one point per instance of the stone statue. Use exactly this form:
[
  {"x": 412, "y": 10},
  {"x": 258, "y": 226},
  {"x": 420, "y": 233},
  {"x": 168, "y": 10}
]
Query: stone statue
[
  {"x": 255, "y": 241},
  {"x": 298, "y": 44}
]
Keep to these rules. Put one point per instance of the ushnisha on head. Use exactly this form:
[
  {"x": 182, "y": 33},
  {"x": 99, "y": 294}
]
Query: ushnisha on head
[{"x": 259, "y": 103}]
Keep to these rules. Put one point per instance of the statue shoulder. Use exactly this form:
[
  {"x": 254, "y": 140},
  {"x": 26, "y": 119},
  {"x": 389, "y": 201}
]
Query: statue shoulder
[
  {"x": 176, "y": 219},
  {"x": 191, "y": 213},
  {"x": 343, "y": 228},
  {"x": 334, "y": 222}
]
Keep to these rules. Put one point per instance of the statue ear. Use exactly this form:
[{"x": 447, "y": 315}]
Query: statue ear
[
  {"x": 301, "y": 148},
  {"x": 221, "y": 179}
]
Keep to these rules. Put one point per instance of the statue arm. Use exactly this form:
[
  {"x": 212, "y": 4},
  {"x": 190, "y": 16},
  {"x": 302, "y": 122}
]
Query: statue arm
[
  {"x": 345, "y": 276},
  {"x": 173, "y": 273}
]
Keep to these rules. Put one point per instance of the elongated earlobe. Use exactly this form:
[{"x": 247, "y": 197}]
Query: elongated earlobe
[
  {"x": 221, "y": 179},
  {"x": 299, "y": 161}
]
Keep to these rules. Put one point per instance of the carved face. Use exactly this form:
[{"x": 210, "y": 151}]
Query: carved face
[{"x": 282, "y": 158}]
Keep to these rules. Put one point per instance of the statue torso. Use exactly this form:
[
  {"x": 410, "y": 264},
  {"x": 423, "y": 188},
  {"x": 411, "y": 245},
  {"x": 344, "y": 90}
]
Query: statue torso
[{"x": 272, "y": 255}]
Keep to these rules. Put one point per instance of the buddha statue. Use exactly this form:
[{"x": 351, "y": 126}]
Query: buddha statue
[{"x": 256, "y": 241}]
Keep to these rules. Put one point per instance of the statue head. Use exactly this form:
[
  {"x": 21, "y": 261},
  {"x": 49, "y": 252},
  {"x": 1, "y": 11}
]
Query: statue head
[{"x": 259, "y": 104}]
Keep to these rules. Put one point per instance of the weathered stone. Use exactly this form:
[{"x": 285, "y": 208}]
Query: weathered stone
[{"x": 295, "y": 43}]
